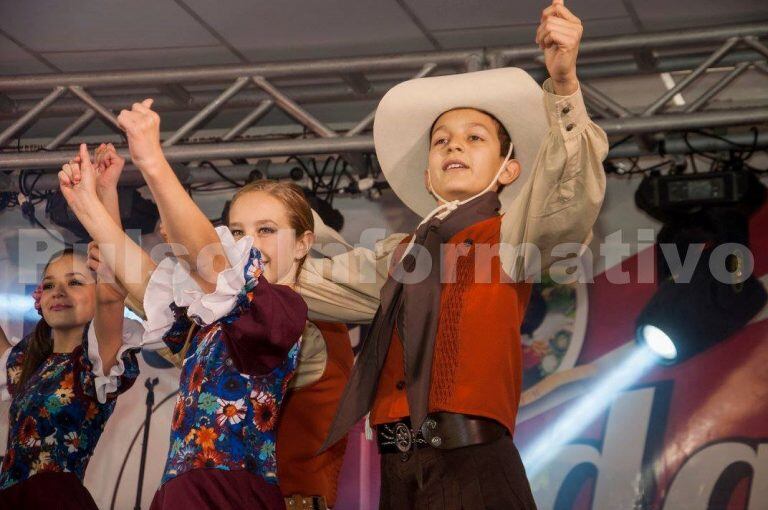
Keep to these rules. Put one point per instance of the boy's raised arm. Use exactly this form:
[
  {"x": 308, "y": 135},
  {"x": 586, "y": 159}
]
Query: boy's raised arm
[{"x": 568, "y": 182}]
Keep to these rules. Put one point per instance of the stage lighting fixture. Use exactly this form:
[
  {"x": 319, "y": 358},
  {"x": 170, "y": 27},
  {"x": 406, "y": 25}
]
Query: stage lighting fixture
[
  {"x": 296, "y": 173},
  {"x": 330, "y": 216},
  {"x": 657, "y": 341},
  {"x": 260, "y": 171},
  {"x": 711, "y": 210},
  {"x": 670, "y": 193},
  {"x": 136, "y": 213},
  {"x": 684, "y": 319}
]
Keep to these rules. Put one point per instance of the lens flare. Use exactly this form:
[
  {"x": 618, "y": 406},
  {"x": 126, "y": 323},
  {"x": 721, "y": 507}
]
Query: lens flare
[
  {"x": 583, "y": 412},
  {"x": 18, "y": 307}
]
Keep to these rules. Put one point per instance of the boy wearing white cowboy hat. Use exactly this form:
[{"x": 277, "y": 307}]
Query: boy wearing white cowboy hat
[{"x": 511, "y": 172}]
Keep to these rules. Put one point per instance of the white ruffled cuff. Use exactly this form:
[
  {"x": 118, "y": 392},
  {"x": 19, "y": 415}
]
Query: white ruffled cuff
[
  {"x": 157, "y": 299},
  {"x": 108, "y": 383},
  {"x": 172, "y": 283},
  {"x": 208, "y": 308}
]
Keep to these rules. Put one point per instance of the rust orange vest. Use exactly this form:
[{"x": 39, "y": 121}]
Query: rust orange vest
[
  {"x": 477, "y": 363},
  {"x": 305, "y": 419}
]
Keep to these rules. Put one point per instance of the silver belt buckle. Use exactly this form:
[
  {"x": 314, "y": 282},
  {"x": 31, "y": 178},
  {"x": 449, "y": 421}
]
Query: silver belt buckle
[{"x": 403, "y": 438}]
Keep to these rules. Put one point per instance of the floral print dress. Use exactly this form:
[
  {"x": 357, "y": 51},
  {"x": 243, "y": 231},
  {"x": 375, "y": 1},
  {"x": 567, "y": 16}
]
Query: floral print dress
[
  {"x": 244, "y": 345},
  {"x": 57, "y": 417}
]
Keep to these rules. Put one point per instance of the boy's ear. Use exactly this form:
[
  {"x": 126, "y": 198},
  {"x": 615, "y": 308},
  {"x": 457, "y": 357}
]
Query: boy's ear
[{"x": 511, "y": 173}]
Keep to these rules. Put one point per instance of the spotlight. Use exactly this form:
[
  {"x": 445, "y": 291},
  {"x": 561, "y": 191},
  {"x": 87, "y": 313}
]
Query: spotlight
[
  {"x": 682, "y": 191},
  {"x": 657, "y": 341},
  {"x": 711, "y": 211},
  {"x": 628, "y": 369},
  {"x": 255, "y": 175},
  {"x": 296, "y": 173},
  {"x": 684, "y": 319},
  {"x": 260, "y": 171}
]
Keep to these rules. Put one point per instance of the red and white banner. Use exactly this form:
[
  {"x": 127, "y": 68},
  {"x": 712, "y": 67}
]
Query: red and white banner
[{"x": 613, "y": 434}]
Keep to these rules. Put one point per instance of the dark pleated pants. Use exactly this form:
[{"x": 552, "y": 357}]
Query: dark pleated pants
[{"x": 490, "y": 476}]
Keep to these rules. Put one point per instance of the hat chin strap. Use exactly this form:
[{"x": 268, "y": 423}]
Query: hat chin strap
[{"x": 452, "y": 205}]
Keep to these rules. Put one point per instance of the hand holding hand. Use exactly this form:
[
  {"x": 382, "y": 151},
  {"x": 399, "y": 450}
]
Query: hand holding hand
[{"x": 77, "y": 181}]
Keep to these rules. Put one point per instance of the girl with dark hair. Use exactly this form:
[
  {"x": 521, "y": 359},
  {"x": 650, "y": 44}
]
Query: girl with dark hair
[{"x": 63, "y": 380}]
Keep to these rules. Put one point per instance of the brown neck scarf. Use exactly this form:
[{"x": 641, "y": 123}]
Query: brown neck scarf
[{"x": 410, "y": 298}]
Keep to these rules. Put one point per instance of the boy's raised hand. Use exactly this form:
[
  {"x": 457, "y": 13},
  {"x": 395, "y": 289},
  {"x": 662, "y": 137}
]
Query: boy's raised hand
[
  {"x": 77, "y": 181},
  {"x": 559, "y": 35},
  {"x": 142, "y": 127}
]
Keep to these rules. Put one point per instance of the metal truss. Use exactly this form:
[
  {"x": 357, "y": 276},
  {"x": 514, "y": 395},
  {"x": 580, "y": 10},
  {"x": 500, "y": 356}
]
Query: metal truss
[{"x": 254, "y": 90}]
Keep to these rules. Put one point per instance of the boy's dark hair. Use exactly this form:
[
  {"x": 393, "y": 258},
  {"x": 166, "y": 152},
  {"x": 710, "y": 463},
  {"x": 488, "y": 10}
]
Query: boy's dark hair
[{"x": 501, "y": 132}]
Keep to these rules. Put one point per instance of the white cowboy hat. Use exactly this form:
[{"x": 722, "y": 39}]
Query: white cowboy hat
[{"x": 401, "y": 130}]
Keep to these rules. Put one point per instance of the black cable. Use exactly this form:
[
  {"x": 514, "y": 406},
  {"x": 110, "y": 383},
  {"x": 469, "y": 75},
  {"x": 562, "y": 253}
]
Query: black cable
[
  {"x": 721, "y": 138},
  {"x": 34, "y": 183},
  {"x": 616, "y": 144},
  {"x": 696, "y": 151},
  {"x": 330, "y": 187},
  {"x": 334, "y": 180},
  {"x": 316, "y": 177},
  {"x": 327, "y": 162},
  {"x": 221, "y": 174},
  {"x": 33, "y": 198},
  {"x": 301, "y": 163},
  {"x": 693, "y": 163},
  {"x": 753, "y": 148},
  {"x": 21, "y": 182}
]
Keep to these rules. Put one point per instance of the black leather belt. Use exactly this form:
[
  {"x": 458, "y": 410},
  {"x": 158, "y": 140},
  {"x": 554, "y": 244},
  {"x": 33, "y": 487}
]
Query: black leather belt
[{"x": 445, "y": 431}]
